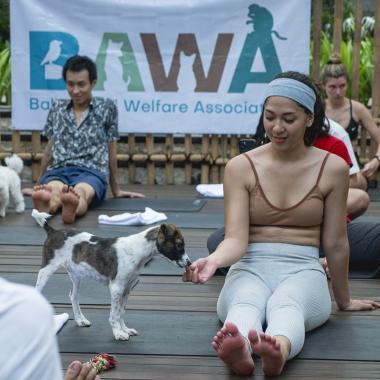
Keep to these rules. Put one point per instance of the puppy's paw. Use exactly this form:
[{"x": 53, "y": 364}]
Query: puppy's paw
[
  {"x": 120, "y": 335},
  {"x": 131, "y": 332},
  {"x": 83, "y": 322},
  {"x": 20, "y": 208}
]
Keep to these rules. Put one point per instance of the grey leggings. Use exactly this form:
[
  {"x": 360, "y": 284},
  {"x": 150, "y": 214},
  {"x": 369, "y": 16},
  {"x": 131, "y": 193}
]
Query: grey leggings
[{"x": 278, "y": 285}]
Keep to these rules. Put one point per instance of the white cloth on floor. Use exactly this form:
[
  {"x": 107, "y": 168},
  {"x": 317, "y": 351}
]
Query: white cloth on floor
[
  {"x": 149, "y": 216},
  {"x": 213, "y": 191},
  {"x": 59, "y": 321}
]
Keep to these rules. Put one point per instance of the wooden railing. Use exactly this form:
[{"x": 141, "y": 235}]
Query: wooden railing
[{"x": 207, "y": 153}]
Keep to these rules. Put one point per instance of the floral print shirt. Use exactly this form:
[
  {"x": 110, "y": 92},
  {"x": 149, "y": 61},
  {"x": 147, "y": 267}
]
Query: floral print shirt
[{"x": 84, "y": 144}]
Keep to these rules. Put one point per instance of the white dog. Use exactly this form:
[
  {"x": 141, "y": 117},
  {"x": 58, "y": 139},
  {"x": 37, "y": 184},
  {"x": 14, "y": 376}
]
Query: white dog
[
  {"x": 10, "y": 184},
  {"x": 113, "y": 261}
]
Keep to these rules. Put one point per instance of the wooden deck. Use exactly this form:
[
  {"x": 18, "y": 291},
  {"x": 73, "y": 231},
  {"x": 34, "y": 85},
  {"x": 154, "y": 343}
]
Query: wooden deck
[{"x": 166, "y": 295}]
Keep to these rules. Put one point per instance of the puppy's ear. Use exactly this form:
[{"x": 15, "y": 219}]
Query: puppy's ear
[{"x": 163, "y": 228}]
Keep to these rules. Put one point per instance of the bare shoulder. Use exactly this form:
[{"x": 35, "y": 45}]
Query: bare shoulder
[
  {"x": 359, "y": 108},
  {"x": 238, "y": 169},
  {"x": 240, "y": 161},
  {"x": 336, "y": 168}
]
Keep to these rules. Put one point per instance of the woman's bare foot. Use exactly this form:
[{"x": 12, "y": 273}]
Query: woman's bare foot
[
  {"x": 81, "y": 371},
  {"x": 233, "y": 349},
  {"x": 41, "y": 197},
  {"x": 273, "y": 354},
  {"x": 70, "y": 202}
]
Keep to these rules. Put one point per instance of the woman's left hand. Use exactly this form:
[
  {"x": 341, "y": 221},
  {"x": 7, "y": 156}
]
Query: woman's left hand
[
  {"x": 357, "y": 305},
  {"x": 200, "y": 271},
  {"x": 370, "y": 167}
]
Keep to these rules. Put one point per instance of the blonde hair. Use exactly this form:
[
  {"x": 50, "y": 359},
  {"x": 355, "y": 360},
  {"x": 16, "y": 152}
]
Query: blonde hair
[{"x": 334, "y": 68}]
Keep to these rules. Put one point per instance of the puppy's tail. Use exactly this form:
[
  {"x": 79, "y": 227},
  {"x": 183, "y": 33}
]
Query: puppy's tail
[{"x": 41, "y": 218}]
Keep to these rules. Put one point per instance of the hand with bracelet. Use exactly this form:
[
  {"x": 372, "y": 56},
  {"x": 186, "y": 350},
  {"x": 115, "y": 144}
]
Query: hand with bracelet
[{"x": 371, "y": 167}]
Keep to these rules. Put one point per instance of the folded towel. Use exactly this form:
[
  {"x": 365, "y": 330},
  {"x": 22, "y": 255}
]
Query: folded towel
[
  {"x": 59, "y": 321},
  {"x": 139, "y": 218},
  {"x": 213, "y": 191}
]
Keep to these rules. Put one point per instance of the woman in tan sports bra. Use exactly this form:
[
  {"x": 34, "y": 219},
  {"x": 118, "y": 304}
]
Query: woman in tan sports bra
[
  {"x": 280, "y": 199},
  {"x": 350, "y": 114}
]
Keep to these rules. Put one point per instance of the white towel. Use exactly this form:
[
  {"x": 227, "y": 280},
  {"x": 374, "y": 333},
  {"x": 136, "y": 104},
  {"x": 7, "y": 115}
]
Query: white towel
[
  {"x": 213, "y": 191},
  {"x": 139, "y": 218},
  {"x": 59, "y": 321}
]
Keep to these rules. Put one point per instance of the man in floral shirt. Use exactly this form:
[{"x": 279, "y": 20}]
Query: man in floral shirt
[{"x": 81, "y": 152}]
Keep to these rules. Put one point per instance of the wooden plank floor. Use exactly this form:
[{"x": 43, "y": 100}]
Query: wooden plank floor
[{"x": 168, "y": 294}]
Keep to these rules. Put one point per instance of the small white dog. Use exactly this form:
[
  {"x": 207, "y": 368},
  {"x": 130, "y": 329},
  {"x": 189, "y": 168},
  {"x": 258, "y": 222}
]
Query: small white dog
[
  {"x": 113, "y": 261},
  {"x": 10, "y": 185}
]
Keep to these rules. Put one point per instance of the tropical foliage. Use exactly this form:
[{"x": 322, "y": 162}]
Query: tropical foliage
[
  {"x": 346, "y": 47},
  {"x": 5, "y": 74}
]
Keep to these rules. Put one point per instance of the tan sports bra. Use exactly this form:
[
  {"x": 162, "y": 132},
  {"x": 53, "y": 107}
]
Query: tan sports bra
[{"x": 298, "y": 224}]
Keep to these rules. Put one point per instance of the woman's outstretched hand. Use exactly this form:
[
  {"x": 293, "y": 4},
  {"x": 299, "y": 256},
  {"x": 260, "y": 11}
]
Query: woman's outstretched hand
[
  {"x": 357, "y": 305},
  {"x": 200, "y": 271}
]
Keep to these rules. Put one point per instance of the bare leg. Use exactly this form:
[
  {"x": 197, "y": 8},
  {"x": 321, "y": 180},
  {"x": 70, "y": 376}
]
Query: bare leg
[
  {"x": 273, "y": 350},
  {"x": 70, "y": 201},
  {"x": 358, "y": 181},
  {"x": 41, "y": 197},
  {"x": 234, "y": 350}
]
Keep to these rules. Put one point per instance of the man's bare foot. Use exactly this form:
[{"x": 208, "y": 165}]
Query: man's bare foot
[
  {"x": 272, "y": 354},
  {"x": 233, "y": 349},
  {"x": 41, "y": 197},
  {"x": 70, "y": 202}
]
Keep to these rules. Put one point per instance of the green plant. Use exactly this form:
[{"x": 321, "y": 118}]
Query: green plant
[{"x": 5, "y": 74}]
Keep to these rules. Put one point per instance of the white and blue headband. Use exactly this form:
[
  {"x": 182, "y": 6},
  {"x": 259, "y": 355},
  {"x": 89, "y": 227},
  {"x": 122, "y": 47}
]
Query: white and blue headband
[{"x": 292, "y": 89}]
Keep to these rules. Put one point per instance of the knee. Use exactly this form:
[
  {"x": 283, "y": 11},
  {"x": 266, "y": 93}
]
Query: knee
[
  {"x": 357, "y": 202},
  {"x": 283, "y": 303},
  {"x": 215, "y": 239}
]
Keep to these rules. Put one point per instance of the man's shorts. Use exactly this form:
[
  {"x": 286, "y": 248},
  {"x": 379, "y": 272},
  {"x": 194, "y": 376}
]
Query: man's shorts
[{"x": 72, "y": 175}]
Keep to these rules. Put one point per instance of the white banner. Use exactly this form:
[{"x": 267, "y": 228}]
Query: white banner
[{"x": 173, "y": 66}]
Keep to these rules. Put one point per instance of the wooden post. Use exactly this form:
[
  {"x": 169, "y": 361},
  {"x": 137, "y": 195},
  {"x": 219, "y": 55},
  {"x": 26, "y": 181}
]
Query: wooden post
[
  {"x": 131, "y": 164},
  {"x": 188, "y": 165},
  {"x": 169, "y": 165},
  {"x": 16, "y": 142},
  {"x": 223, "y": 156},
  {"x": 234, "y": 146},
  {"x": 205, "y": 166},
  {"x": 214, "y": 156},
  {"x": 356, "y": 50},
  {"x": 338, "y": 21},
  {"x": 151, "y": 175},
  {"x": 36, "y": 148},
  {"x": 376, "y": 68},
  {"x": 317, "y": 29}
]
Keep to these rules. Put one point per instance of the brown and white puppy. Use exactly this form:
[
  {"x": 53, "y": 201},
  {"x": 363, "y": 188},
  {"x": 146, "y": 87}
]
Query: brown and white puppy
[{"x": 113, "y": 261}]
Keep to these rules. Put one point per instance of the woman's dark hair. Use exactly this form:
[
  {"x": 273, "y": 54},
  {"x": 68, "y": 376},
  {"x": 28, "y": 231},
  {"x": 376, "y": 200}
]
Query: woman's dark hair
[
  {"x": 78, "y": 63},
  {"x": 317, "y": 128},
  {"x": 334, "y": 68}
]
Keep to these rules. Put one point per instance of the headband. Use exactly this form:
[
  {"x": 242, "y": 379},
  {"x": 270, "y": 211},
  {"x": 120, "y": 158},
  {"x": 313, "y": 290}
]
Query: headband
[{"x": 292, "y": 89}]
